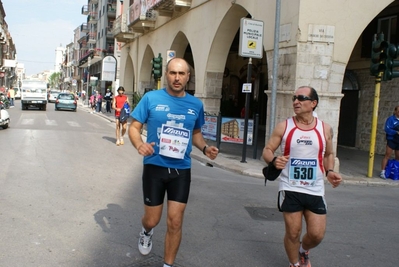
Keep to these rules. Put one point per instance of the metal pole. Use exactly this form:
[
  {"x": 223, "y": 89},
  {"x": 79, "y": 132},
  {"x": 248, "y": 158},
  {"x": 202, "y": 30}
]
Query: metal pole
[
  {"x": 374, "y": 124},
  {"x": 88, "y": 79},
  {"x": 255, "y": 139},
  {"x": 275, "y": 68},
  {"x": 244, "y": 145}
]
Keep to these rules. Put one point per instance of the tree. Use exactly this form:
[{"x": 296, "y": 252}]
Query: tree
[{"x": 54, "y": 80}]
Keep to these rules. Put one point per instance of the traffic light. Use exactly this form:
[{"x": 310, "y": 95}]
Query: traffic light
[
  {"x": 391, "y": 63},
  {"x": 157, "y": 67},
  {"x": 378, "y": 55}
]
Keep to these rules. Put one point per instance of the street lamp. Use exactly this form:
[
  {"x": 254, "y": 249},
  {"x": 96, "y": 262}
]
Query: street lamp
[{"x": 88, "y": 78}]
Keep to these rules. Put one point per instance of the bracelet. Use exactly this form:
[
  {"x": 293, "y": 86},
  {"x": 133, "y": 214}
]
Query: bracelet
[
  {"x": 329, "y": 170},
  {"x": 203, "y": 150}
]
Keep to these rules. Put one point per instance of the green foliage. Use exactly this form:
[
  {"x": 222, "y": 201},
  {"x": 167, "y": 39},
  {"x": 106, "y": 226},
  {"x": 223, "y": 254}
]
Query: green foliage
[
  {"x": 136, "y": 99},
  {"x": 54, "y": 80}
]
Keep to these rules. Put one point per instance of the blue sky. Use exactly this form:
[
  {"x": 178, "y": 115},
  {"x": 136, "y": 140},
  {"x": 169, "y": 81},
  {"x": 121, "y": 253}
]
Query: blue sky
[{"x": 38, "y": 27}]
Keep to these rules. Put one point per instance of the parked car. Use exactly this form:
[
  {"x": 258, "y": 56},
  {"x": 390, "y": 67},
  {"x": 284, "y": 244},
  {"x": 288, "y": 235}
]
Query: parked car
[
  {"x": 52, "y": 95},
  {"x": 66, "y": 101}
]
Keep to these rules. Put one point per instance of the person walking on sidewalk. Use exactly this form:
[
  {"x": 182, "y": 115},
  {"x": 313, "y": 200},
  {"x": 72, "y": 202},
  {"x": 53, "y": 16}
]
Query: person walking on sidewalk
[
  {"x": 108, "y": 98},
  {"x": 307, "y": 155},
  {"x": 392, "y": 136},
  {"x": 174, "y": 119},
  {"x": 117, "y": 104},
  {"x": 99, "y": 102}
]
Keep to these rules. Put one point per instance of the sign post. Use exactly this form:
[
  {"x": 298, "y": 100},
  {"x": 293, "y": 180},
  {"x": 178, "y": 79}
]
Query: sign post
[{"x": 251, "y": 46}]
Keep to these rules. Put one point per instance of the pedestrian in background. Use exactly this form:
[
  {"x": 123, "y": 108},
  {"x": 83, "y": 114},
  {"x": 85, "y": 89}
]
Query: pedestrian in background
[
  {"x": 117, "y": 104},
  {"x": 307, "y": 155},
  {"x": 108, "y": 98},
  {"x": 99, "y": 101},
  {"x": 174, "y": 119},
  {"x": 392, "y": 136},
  {"x": 12, "y": 96}
]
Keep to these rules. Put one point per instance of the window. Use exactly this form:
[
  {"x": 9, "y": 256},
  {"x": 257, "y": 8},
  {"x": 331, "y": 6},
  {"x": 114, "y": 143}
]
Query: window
[{"x": 387, "y": 26}]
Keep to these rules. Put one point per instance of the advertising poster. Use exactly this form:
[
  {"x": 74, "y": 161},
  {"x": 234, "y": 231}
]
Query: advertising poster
[{"x": 232, "y": 130}]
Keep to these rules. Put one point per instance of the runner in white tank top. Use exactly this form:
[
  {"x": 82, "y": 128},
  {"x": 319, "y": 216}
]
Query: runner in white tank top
[{"x": 307, "y": 154}]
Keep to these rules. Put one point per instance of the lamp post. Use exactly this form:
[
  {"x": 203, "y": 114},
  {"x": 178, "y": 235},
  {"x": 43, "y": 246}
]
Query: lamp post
[{"x": 88, "y": 79}]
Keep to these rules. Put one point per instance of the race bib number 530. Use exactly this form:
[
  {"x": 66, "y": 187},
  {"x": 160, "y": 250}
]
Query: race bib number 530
[{"x": 302, "y": 171}]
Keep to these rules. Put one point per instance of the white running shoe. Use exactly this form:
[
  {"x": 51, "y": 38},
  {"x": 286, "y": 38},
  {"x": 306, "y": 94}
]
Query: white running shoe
[
  {"x": 382, "y": 175},
  {"x": 145, "y": 242}
]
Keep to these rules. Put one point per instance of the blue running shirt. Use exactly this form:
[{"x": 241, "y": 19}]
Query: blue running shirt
[{"x": 158, "y": 108}]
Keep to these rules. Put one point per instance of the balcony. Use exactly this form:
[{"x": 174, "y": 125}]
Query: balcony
[
  {"x": 171, "y": 8},
  {"x": 85, "y": 10},
  {"x": 91, "y": 38},
  {"x": 84, "y": 27},
  {"x": 111, "y": 11},
  {"x": 121, "y": 31},
  {"x": 93, "y": 1},
  {"x": 92, "y": 18},
  {"x": 141, "y": 23}
]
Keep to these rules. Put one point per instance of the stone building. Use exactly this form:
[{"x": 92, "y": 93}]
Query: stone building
[{"x": 324, "y": 44}]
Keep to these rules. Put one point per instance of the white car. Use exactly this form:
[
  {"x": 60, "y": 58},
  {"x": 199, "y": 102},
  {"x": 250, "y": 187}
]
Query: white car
[{"x": 52, "y": 95}]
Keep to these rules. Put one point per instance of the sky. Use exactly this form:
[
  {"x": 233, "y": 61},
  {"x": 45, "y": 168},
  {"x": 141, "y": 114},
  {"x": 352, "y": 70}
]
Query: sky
[{"x": 38, "y": 27}]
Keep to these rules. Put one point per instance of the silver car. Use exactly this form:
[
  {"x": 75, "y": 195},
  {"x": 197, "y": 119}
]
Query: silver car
[{"x": 52, "y": 95}]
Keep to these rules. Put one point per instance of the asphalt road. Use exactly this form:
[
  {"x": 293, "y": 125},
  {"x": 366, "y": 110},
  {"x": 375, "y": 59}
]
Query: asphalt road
[{"x": 70, "y": 197}]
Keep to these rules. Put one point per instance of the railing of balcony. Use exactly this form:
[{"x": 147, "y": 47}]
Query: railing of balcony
[{"x": 85, "y": 10}]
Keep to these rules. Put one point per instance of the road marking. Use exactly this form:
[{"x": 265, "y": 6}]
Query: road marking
[
  {"x": 51, "y": 122},
  {"x": 27, "y": 121},
  {"x": 73, "y": 123}
]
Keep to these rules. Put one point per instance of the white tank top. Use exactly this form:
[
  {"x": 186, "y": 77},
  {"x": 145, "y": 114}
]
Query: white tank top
[{"x": 304, "y": 171}]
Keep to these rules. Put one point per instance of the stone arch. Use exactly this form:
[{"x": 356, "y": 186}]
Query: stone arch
[
  {"x": 146, "y": 82},
  {"x": 128, "y": 82}
]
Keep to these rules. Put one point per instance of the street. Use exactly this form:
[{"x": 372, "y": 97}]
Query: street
[{"x": 71, "y": 197}]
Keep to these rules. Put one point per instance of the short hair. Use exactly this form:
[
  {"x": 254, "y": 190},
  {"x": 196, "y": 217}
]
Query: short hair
[{"x": 313, "y": 94}]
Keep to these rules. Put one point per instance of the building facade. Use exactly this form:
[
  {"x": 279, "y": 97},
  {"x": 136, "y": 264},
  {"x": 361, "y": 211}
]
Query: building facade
[{"x": 323, "y": 44}]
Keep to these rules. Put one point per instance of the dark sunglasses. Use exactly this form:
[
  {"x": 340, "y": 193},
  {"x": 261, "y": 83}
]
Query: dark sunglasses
[{"x": 301, "y": 98}]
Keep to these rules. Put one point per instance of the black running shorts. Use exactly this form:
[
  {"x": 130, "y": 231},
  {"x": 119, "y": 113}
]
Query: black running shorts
[
  {"x": 289, "y": 201},
  {"x": 158, "y": 180}
]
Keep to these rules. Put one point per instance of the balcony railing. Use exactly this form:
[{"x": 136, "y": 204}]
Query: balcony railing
[
  {"x": 111, "y": 10},
  {"x": 120, "y": 29},
  {"x": 85, "y": 10},
  {"x": 84, "y": 27},
  {"x": 92, "y": 18},
  {"x": 92, "y": 38},
  {"x": 141, "y": 22},
  {"x": 171, "y": 7}
]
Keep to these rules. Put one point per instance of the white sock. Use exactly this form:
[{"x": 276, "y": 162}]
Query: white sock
[
  {"x": 167, "y": 265},
  {"x": 301, "y": 250}
]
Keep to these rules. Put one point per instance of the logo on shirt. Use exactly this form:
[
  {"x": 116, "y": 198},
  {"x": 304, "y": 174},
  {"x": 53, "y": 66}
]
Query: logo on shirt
[
  {"x": 176, "y": 117},
  {"x": 304, "y": 140},
  {"x": 162, "y": 108},
  {"x": 191, "y": 111}
]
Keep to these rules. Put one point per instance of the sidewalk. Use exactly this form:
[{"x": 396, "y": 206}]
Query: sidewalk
[{"x": 353, "y": 162}]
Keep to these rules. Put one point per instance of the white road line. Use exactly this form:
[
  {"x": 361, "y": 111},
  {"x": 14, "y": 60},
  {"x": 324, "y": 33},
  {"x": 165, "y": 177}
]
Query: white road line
[
  {"x": 73, "y": 124},
  {"x": 27, "y": 121},
  {"x": 50, "y": 122}
]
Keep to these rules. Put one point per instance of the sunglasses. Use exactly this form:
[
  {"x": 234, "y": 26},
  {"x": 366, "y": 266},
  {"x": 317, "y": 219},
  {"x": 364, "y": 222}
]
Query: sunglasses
[{"x": 301, "y": 98}]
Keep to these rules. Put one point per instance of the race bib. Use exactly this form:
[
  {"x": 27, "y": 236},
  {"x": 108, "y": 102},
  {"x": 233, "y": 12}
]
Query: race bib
[
  {"x": 302, "y": 172},
  {"x": 173, "y": 141}
]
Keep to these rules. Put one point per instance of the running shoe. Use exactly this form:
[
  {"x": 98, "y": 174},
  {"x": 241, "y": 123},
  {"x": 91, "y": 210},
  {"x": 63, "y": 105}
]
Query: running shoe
[
  {"x": 296, "y": 265},
  {"x": 122, "y": 142},
  {"x": 382, "y": 175},
  {"x": 145, "y": 243},
  {"x": 304, "y": 259}
]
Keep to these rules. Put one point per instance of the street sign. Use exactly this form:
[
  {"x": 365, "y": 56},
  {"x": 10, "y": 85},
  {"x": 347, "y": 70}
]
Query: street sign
[
  {"x": 251, "y": 38},
  {"x": 108, "y": 72},
  {"x": 170, "y": 54},
  {"x": 247, "y": 87}
]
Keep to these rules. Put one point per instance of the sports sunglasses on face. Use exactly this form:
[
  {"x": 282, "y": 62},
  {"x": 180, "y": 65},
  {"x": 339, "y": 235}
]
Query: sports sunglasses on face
[{"x": 301, "y": 98}]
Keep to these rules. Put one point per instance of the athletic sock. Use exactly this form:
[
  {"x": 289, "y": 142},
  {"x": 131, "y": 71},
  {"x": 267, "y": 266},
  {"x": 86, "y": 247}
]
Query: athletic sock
[
  {"x": 167, "y": 265},
  {"x": 301, "y": 250}
]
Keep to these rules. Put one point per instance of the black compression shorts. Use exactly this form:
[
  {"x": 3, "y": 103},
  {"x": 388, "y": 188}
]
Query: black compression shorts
[{"x": 158, "y": 180}]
